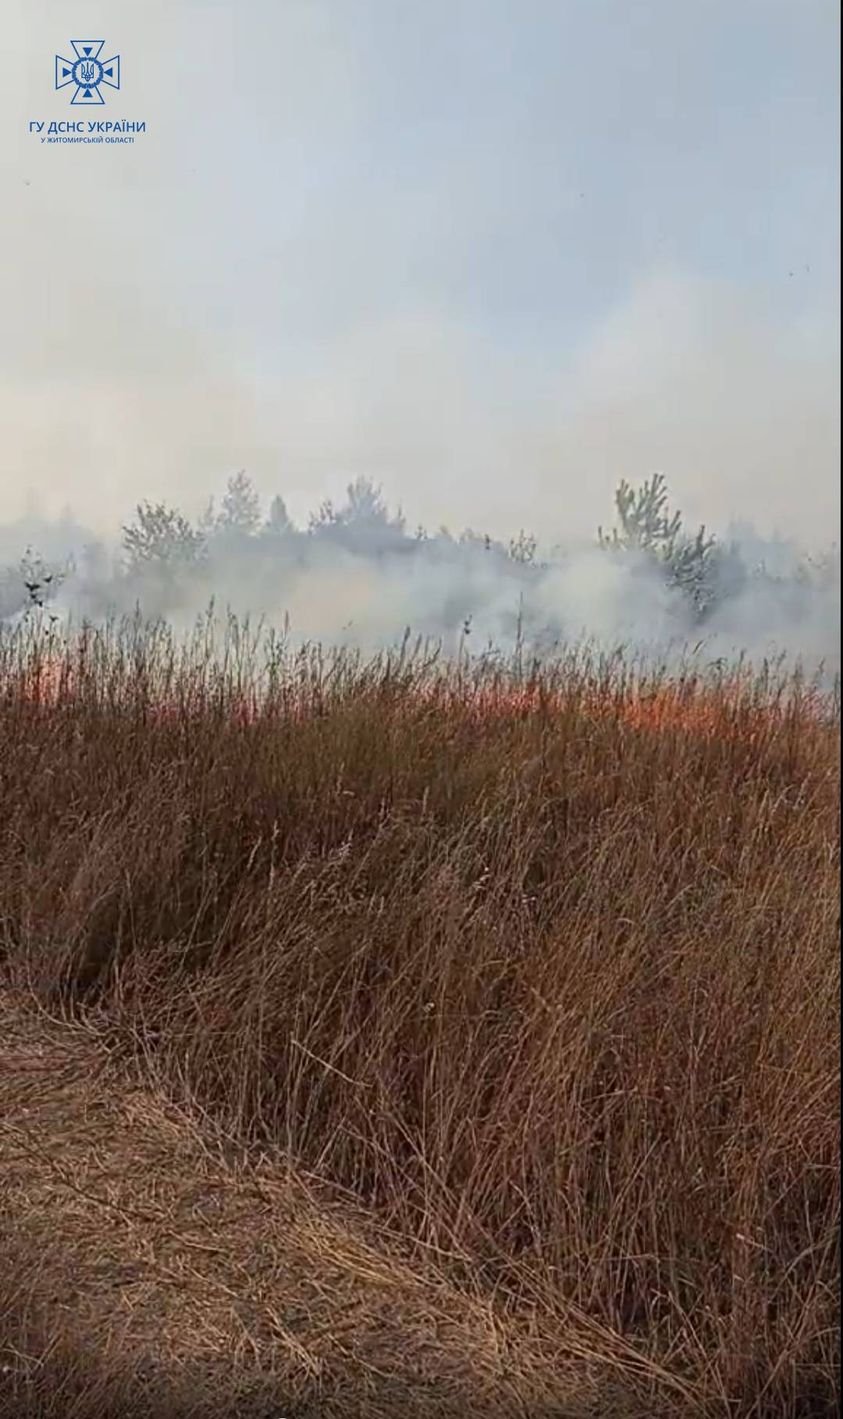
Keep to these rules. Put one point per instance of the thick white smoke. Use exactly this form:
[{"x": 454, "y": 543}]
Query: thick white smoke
[{"x": 360, "y": 577}]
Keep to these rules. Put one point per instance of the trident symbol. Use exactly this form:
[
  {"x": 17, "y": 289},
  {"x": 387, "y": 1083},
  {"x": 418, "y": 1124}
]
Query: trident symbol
[{"x": 87, "y": 72}]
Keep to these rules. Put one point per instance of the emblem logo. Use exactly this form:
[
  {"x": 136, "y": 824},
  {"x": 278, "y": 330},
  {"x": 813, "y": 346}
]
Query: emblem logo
[{"x": 87, "y": 71}]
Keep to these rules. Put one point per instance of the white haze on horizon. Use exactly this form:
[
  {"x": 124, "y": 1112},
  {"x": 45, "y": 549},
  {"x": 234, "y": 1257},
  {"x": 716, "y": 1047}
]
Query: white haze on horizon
[
  {"x": 494, "y": 256},
  {"x": 459, "y": 595}
]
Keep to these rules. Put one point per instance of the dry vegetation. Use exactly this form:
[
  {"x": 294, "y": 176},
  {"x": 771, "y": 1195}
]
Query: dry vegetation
[{"x": 391, "y": 1040}]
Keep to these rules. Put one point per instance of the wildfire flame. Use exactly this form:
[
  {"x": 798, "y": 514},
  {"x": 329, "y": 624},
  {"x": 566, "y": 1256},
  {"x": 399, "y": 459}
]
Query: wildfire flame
[{"x": 673, "y": 706}]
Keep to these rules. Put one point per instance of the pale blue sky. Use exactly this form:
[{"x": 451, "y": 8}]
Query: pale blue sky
[{"x": 496, "y": 253}]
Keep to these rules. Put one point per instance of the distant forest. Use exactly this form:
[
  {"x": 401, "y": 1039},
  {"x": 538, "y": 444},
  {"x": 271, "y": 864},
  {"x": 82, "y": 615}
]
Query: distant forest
[{"x": 244, "y": 551}]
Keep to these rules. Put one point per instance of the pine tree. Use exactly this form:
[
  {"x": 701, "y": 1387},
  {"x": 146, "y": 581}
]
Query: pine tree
[
  {"x": 240, "y": 506},
  {"x": 278, "y": 522},
  {"x": 161, "y": 536},
  {"x": 363, "y": 520},
  {"x": 646, "y": 526}
]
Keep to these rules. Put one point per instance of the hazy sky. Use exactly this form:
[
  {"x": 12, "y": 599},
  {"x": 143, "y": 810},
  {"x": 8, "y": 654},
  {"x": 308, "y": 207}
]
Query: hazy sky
[{"x": 496, "y": 254}]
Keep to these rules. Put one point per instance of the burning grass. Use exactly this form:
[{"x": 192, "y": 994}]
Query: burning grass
[{"x": 538, "y": 968}]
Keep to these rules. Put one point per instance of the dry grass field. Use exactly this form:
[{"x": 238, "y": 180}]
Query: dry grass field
[{"x": 404, "y": 1040}]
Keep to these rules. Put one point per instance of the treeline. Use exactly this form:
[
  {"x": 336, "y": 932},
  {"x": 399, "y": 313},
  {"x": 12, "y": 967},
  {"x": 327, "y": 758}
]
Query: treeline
[{"x": 165, "y": 561}]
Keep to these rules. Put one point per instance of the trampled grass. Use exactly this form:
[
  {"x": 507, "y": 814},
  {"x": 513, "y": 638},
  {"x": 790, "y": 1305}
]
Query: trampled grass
[{"x": 535, "y": 971}]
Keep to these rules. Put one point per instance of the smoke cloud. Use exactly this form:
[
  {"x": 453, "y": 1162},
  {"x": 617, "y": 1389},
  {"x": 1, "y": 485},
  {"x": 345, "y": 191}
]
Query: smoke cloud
[
  {"x": 493, "y": 257},
  {"x": 356, "y": 576}
]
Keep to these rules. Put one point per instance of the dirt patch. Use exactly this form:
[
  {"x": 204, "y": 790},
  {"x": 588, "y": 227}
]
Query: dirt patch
[{"x": 145, "y": 1273}]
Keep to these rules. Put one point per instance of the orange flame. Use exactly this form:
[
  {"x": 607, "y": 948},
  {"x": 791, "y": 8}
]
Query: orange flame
[{"x": 694, "y": 710}]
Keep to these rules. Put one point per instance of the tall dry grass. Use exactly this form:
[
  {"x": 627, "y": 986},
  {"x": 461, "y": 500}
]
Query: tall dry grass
[{"x": 540, "y": 965}]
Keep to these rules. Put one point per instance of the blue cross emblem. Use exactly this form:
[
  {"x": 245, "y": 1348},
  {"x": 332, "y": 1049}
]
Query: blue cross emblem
[{"x": 87, "y": 71}]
